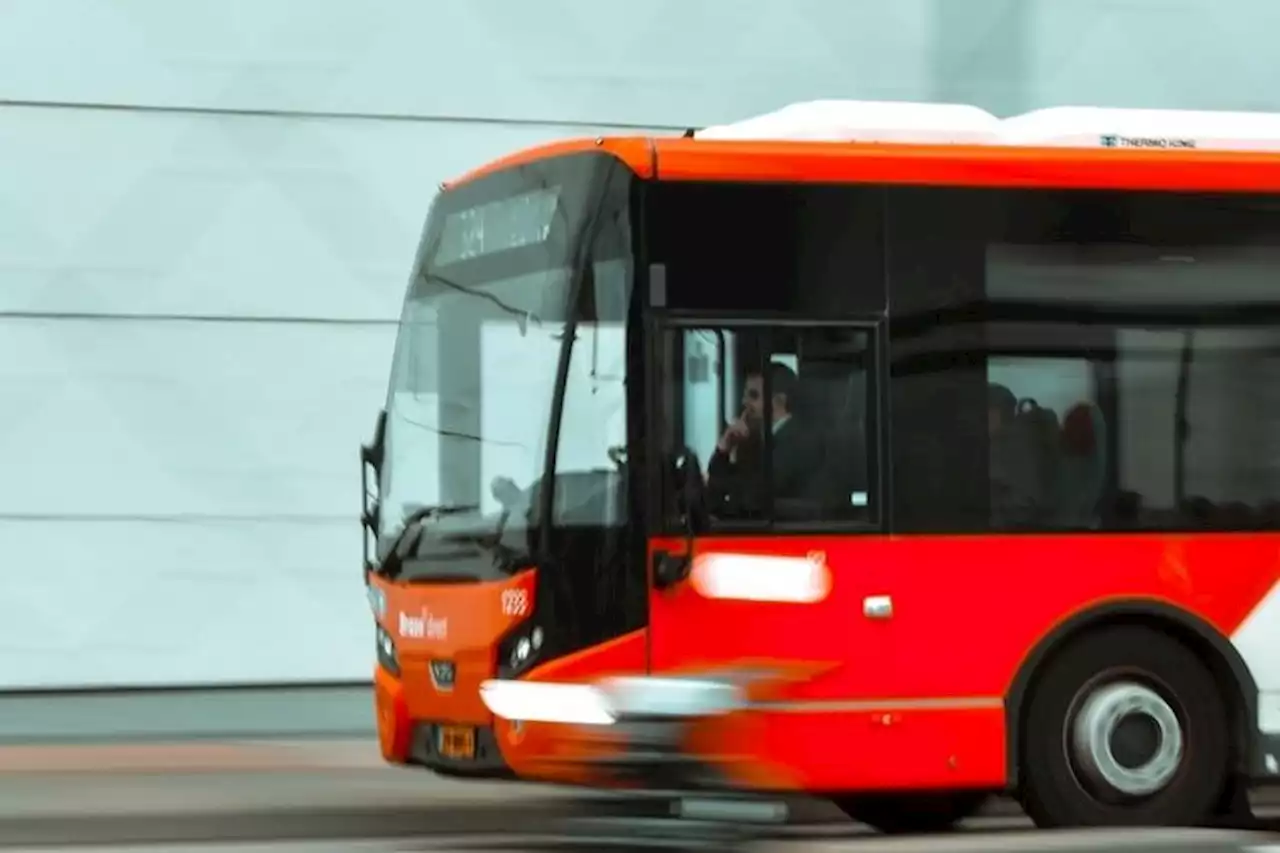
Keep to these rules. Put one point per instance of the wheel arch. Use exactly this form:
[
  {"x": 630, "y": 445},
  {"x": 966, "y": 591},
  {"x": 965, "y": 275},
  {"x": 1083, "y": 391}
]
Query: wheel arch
[{"x": 1225, "y": 663}]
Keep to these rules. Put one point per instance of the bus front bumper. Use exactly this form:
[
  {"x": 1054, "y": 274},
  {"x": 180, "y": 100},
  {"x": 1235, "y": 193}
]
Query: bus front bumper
[{"x": 439, "y": 745}]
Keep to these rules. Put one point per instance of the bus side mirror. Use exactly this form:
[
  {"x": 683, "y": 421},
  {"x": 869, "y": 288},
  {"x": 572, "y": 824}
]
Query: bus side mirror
[
  {"x": 371, "y": 458},
  {"x": 371, "y": 454}
]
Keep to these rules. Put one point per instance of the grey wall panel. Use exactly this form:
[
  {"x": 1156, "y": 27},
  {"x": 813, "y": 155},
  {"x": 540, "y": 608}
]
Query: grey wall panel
[
  {"x": 1177, "y": 54},
  {"x": 664, "y": 62},
  {"x": 153, "y": 418},
  {"x": 126, "y": 212},
  {"x": 196, "y": 323},
  {"x": 181, "y": 600}
]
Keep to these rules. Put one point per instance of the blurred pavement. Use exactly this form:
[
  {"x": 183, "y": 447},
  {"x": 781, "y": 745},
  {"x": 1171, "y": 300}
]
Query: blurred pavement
[{"x": 303, "y": 789}]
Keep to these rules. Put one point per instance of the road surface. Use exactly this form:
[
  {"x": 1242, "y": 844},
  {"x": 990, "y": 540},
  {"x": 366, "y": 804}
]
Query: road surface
[
  {"x": 978, "y": 841},
  {"x": 309, "y": 797}
]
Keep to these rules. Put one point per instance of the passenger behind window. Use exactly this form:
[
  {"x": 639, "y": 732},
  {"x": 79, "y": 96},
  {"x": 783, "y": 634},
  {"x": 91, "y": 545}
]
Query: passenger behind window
[
  {"x": 1025, "y": 451},
  {"x": 736, "y": 482},
  {"x": 1084, "y": 468}
]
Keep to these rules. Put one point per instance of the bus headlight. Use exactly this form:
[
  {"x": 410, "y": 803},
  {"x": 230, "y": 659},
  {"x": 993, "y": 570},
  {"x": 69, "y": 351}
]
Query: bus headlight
[
  {"x": 520, "y": 650},
  {"x": 386, "y": 650}
]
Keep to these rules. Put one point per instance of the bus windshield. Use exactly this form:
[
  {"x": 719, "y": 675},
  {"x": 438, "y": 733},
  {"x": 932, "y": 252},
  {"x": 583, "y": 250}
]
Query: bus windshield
[{"x": 473, "y": 384}]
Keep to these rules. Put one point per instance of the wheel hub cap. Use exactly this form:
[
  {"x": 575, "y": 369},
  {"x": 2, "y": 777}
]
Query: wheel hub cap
[{"x": 1127, "y": 737}]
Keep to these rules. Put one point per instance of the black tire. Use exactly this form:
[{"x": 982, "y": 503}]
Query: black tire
[
  {"x": 1053, "y": 791},
  {"x": 1234, "y": 810},
  {"x": 898, "y": 814}
]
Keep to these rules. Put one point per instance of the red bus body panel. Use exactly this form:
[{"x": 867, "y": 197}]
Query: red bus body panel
[{"x": 918, "y": 700}]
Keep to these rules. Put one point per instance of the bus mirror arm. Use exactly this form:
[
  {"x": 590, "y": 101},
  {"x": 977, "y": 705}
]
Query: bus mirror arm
[{"x": 670, "y": 569}]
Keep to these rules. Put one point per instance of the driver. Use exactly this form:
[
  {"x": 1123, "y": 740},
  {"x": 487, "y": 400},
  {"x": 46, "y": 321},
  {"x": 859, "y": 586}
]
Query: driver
[{"x": 736, "y": 476}]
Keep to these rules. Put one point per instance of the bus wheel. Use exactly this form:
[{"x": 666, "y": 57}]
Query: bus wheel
[
  {"x": 1126, "y": 726},
  {"x": 896, "y": 814}
]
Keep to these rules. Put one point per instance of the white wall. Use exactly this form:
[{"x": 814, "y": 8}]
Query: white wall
[
  {"x": 208, "y": 209},
  {"x": 660, "y": 62},
  {"x": 196, "y": 322}
]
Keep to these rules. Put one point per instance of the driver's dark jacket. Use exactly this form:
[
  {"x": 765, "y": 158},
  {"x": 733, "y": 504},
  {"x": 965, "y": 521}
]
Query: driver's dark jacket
[{"x": 739, "y": 488}]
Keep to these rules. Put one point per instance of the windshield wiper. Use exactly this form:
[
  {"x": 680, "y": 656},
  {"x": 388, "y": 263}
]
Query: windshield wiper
[
  {"x": 522, "y": 317},
  {"x": 406, "y": 541}
]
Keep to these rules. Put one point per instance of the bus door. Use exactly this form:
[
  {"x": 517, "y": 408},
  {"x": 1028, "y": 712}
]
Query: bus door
[{"x": 766, "y": 439}]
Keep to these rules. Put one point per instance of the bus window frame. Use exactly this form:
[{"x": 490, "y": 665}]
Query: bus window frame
[{"x": 661, "y": 323}]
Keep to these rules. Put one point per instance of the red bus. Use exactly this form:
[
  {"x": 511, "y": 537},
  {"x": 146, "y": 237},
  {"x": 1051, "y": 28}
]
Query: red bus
[{"x": 977, "y": 420}]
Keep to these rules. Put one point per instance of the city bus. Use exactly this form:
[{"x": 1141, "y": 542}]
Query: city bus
[{"x": 974, "y": 420}]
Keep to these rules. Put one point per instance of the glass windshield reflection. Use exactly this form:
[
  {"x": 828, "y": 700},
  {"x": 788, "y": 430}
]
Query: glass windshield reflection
[
  {"x": 471, "y": 396},
  {"x": 474, "y": 383}
]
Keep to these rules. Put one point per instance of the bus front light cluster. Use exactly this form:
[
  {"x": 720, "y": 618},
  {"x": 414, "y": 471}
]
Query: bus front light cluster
[
  {"x": 520, "y": 650},
  {"x": 387, "y": 657}
]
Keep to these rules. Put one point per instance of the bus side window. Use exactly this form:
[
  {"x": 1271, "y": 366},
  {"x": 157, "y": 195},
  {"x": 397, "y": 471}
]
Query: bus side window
[
  {"x": 710, "y": 388},
  {"x": 782, "y": 419},
  {"x": 1055, "y": 432},
  {"x": 835, "y": 400}
]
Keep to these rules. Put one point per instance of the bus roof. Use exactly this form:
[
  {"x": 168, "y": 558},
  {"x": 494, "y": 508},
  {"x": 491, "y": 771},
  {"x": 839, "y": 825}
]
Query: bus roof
[{"x": 958, "y": 145}]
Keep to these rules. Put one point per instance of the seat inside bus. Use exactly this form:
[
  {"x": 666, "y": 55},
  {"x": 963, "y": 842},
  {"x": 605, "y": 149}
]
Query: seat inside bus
[{"x": 832, "y": 398}]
